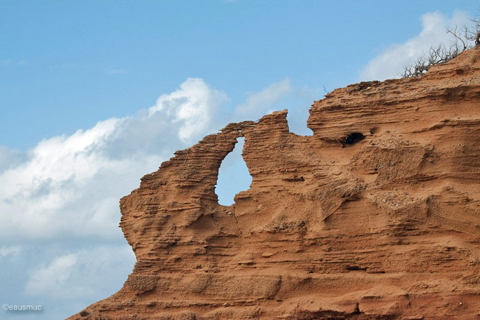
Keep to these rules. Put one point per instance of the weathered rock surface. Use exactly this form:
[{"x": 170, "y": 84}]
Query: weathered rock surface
[{"x": 375, "y": 216}]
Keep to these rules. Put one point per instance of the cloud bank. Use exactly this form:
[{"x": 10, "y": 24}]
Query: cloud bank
[
  {"x": 191, "y": 108},
  {"x": 69, "y": 186}
]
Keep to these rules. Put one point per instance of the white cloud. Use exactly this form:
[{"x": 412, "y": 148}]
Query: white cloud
[
  {"x": 261, "y": 102},
  {"x": 192, "y": 107},
  {"x": 9, "y": 251},
  {"x": 9, "y": 158},
  {"x": 391, "y": 62},
  {"x": 69, "y": 186},
  {"x": 81, "y": 274},
  {"x": 49, "y": 279},
  {"x": 36, "y": 196}
]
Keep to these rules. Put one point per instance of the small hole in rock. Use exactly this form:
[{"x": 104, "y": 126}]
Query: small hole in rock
[
  {"x": 233, "y": 175},
  {"x": 354, "y": 138}
]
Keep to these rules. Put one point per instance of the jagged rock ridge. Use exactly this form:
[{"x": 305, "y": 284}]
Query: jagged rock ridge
[{"x": 375, "y": 216}]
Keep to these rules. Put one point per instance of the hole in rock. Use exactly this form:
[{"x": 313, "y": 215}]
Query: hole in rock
[
  {"x": 354, "y": 138},
  {"x": 233, "y": 175},
  {"x": 297, "y": 118}
]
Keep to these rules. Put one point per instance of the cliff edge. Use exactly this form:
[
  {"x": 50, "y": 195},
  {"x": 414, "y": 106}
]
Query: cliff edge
[{"x": 374, "y": 216}]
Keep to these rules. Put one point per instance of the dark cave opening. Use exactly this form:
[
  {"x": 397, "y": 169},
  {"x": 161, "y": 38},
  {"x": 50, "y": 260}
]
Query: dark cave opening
[{"x": 354, "y": 138}]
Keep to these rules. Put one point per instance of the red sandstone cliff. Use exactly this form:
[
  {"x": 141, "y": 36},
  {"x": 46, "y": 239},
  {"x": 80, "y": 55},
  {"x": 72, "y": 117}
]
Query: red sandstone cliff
[{"x": 375, "y": 216}]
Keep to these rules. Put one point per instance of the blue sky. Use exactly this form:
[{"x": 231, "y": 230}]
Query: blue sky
[{"x": 95, "y": 94}]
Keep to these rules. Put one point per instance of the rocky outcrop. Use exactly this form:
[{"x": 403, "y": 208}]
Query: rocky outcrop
[{"x": 375, "y": 216}]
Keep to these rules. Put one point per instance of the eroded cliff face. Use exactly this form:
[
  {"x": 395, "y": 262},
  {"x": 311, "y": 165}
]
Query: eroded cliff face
[{"x": 377, "y": 215}]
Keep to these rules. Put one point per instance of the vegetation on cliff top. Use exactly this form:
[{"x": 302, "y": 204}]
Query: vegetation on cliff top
[{"x": 464, "y": 39}]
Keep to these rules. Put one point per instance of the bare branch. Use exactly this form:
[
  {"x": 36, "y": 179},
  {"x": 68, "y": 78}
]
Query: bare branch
[
  {"x": 442, "y": 54},
  {"x": 455, "y": 34}
]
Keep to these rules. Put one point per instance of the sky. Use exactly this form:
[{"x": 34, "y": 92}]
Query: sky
[{"x": 96, "y": 94}]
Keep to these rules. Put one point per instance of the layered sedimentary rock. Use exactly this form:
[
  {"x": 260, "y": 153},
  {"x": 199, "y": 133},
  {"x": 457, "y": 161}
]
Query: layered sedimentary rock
[{"x": 374, "y": 216}]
